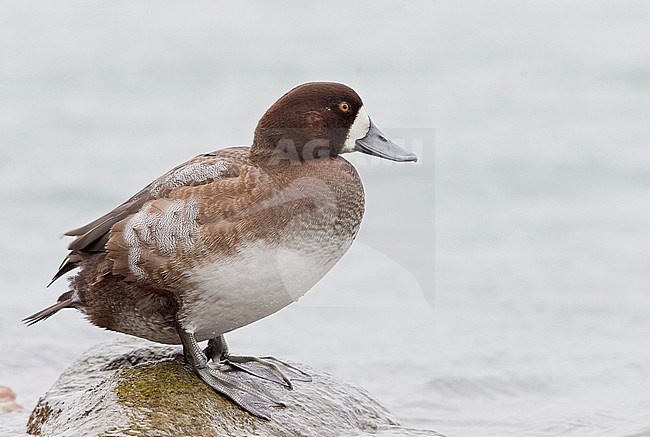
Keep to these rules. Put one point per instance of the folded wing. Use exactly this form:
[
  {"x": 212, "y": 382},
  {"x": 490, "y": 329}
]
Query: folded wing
[{"x": 153, "y": 203}]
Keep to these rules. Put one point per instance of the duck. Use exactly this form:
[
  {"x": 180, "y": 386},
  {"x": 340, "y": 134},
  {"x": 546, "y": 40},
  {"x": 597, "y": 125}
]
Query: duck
[{"x": 230, "y": 237}]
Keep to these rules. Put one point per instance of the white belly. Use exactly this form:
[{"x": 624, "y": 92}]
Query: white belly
[{"x": 258, "y": 281}]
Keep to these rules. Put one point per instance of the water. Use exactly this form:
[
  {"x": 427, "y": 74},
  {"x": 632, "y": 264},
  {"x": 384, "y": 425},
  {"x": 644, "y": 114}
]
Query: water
[{"x": 498, "y": 287}]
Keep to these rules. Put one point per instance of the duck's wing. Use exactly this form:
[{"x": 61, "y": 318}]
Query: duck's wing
[
  {"x": 203, "y": 169},
  {"x": 168, "y": 237}
]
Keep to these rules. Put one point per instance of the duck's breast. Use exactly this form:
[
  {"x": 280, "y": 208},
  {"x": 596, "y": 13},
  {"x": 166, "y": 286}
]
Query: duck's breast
[{"x": 279, "y": 251}]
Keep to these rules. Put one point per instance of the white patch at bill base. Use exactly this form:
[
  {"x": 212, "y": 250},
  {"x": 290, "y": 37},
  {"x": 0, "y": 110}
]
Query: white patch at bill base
[{"x": 358, "y": 130}]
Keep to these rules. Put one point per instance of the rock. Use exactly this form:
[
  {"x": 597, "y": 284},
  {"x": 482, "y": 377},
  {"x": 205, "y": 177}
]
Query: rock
[
  {"x": 8, "y": 402},
  {"x": 135, "y": 387},
  {"x": 12, "y": 414}
]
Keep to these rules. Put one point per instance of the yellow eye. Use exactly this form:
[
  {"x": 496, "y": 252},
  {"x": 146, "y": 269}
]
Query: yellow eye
[{"x": 344, "y": 106}]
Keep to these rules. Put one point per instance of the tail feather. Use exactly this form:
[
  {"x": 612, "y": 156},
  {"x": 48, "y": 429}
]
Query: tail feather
[
  {"x": 70, "y": 262},
  {"x": 65, "y": 268},
  {"x": 65, "y": 301}
]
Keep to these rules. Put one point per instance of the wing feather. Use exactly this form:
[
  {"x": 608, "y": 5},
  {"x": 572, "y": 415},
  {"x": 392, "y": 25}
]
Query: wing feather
[
  {"x": 168, "y": 237},
  {"x": 203, "y": 169}
]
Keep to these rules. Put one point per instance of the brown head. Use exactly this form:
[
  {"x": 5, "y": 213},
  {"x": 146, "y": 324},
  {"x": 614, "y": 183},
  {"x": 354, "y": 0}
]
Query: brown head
[{"x": 320, "y": 119}]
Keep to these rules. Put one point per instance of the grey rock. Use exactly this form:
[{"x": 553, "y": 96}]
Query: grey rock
[{"x": 137, "y": 388}]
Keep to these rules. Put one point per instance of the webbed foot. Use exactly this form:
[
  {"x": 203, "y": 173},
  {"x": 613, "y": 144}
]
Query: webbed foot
[
  {"x": 268, "y": 368},
  {"x": 250, "y": 396}
]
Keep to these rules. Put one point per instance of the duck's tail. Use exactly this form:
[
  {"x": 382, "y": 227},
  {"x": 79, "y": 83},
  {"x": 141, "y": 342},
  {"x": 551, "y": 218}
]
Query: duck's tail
[{"x": 65, "y": 301}]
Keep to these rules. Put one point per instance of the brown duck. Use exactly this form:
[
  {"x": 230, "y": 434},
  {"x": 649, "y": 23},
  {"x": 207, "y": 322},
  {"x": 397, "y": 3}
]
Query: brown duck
[{"x": 230, "y": 237}]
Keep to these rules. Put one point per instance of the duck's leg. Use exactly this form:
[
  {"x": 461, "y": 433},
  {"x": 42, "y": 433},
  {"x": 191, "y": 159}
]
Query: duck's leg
[
  {"x": 248, "y": 396},
  {"x": 269, "y": 368}
]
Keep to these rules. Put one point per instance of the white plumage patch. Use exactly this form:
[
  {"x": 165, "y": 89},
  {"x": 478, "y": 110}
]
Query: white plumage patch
[
  {"x": 163, "y": 226},
  {"x": 358, "y": 130},
  {"x": 256, "y": 282}
]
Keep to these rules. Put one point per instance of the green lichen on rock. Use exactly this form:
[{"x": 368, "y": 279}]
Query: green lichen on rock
[{"x": 151, "y": 392}]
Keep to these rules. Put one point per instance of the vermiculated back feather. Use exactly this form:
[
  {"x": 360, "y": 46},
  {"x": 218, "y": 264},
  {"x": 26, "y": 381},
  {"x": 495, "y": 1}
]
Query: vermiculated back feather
[{"x": 92, "y": 238}]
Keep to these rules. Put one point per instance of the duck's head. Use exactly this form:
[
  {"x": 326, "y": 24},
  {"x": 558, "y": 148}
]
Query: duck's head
[{"x": 321, "y": 119}]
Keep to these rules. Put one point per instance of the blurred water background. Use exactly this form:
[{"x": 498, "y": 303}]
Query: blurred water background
[{"x": 499, "y": 287}]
